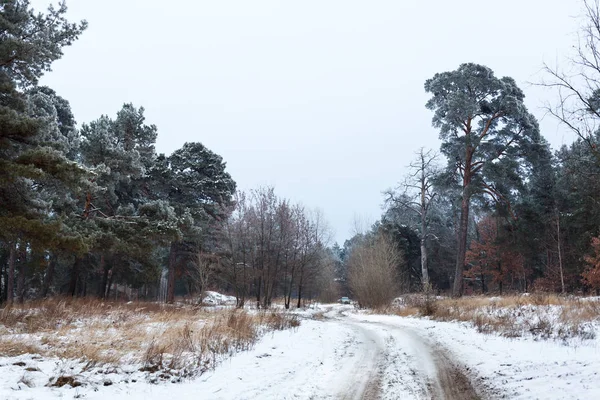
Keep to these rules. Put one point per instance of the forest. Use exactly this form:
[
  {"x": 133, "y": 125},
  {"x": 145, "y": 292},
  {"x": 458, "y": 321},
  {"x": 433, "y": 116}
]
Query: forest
[{"x": 93, "y": 210}]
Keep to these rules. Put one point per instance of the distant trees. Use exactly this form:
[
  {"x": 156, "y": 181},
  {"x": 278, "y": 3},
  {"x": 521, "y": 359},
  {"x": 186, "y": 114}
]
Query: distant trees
[
  {"x": 276, "y": 249},
  {"x": 485, "y": 130}
]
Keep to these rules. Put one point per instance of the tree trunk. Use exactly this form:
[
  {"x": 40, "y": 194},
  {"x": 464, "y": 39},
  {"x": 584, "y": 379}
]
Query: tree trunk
[
  {"x": 424, "y": 271},
  {"x": 483, "y": 283},
  {"x": 11, "y": 274},
  {"x": 258, "y": 286},
  {"x": 21, "y": 281},
  {"x": 74, "y": 277},
  {"x": 288, "y": 294},
  {"x": 299, "y": 294},
  {"x": 171, "y": 275},
  {"x": 461, "y": 245},
  {"x": 22, "y": 272},
  {"x": 244, "y": 287},
  {"x": 109, "y": 283},
  {"x": 105, "y": 269},
  {"x": 560, "y": 266},
  {"x": 3, "y": 280},
  {"x": 49, "y": 276}
]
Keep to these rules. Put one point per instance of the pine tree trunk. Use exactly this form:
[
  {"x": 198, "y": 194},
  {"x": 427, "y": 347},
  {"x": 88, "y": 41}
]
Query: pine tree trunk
[
  {"x": 84, "y": 285},
  {"x": 109, "y": 284},
  {"x": 74, "y": 277},
  {"x": 48, "y": 277},
  {"x": 483, "y": 283},
  {"x": 171, "y": 275},
  {"x": 21, "y": 281},
  {"x": 105, "y": 269},
  {"x": 3, "y": 279},
  {"x": 22, "y": 273},
  {"x": 461, "y": 245},
  {"x": 10, "y": 291}
]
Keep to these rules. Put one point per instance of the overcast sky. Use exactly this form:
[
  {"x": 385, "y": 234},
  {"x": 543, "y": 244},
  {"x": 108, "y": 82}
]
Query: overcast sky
[{"x": 322, "y": 99}]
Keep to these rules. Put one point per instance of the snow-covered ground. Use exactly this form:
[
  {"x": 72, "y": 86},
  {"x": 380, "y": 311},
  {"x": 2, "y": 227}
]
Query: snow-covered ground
[{"x": 339, "y": 353}]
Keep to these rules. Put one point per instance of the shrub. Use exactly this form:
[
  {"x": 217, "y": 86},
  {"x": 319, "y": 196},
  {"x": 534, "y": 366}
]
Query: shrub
[{"x": 372, "y": 272}]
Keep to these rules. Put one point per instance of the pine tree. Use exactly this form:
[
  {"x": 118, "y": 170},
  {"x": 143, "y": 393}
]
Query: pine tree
[
  {"x": 131, "y": 220},
  {"x": 194, "y": 182},
  {"x": 486, "y": 131},
  {"x": 29, "y": 43}
]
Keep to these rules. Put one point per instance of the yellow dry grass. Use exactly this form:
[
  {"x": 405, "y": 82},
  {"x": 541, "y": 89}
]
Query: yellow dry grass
[
  {"x": 505, "y": 315},
  {"x": 155, "y": 335}
]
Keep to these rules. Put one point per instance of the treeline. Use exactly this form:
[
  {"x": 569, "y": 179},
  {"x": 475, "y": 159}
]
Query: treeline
[
  {"x": 537, "y": 232},
  {"x": 505, "y": 213},
  {"x": 95, "y": 211}
]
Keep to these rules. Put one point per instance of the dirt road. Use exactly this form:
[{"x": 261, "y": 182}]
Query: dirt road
[{"x": 400, "y": 361}]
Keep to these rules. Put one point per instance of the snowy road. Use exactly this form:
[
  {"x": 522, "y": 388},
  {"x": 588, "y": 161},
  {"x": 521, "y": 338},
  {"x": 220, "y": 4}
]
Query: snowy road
[
  {"x": 406, "y": 364},
  {"x": 342, "y": 356},
  {"x": 413, "y": 367}
]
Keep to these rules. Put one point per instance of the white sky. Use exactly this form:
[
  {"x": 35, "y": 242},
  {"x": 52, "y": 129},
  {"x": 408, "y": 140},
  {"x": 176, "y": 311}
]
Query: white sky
[{"x": 322, "y": 99}]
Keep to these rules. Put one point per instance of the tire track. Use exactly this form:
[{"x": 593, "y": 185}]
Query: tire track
[{"x": 441, "y": 377}]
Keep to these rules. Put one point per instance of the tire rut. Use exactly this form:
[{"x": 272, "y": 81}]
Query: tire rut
[
  {"x": 448, "y": 380},
  {"x": 453, "y": 383}
]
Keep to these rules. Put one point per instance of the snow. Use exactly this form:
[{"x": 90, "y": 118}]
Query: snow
[
  {"x": 338, "y": 352},
  {"x": 215, "y": 298},
  {"x": 520, "y": 368},
  {"x": 314, "y": 358}
]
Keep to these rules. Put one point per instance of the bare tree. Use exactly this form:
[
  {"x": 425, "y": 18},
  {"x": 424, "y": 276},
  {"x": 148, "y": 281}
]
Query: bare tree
[
  {"x": 372, "y": 271},
  {"x": 203, "y": 267},
  {"x": 243, "y": 273},
  {"x": 578, "y": 84},
  {"x": 274, "y": 248},
  {"x": 416, "y": 196},
  {"x": 328, "y": 288}
]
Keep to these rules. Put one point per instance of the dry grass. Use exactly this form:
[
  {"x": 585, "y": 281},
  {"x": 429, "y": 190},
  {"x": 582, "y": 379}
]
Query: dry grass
[
  {"x": 154, "y": 335},
  {"x": 541, "y": 315}
]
